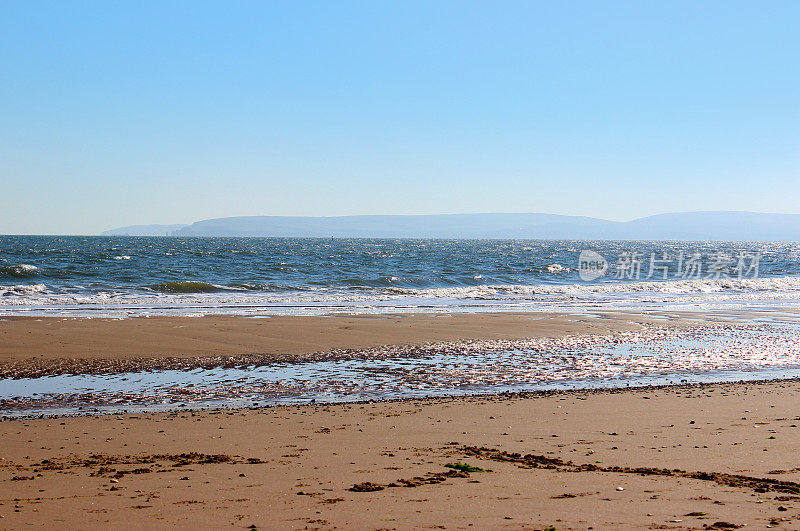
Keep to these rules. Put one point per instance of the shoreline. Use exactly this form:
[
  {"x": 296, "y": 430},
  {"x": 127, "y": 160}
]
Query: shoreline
[
  {"x": 571, "y": 460},
  {"x": 556, "y": 352},
  {"x": 90, "y": 412},
  {"x": 36, "y": 347},
  {"x": 676, "y": 456}
]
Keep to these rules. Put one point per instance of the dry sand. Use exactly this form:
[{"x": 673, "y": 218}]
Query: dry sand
[{"x": 717, "y": 455}]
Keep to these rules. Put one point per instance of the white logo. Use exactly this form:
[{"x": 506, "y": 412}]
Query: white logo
[{"x": 591, "y": 265}]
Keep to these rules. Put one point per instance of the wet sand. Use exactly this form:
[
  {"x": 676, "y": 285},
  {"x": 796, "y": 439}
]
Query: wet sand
[
  {"x": 711, "y": 456},
  {"x": 41, "y": 346},
  {"x": 715, "y": 456}
]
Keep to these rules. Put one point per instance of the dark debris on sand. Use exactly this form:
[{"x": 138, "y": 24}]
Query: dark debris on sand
[
  {"x": 430, "y": 478},
  {"x": 541, "y": 461}
]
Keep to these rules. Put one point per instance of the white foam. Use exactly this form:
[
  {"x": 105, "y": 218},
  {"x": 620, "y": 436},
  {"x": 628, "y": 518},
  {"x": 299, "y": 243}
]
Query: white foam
[
  {"x": 705, "y": 285},
  {"x": 557, "y": 268},
  {"x": 23, "y": 289},
  {"x": 695, "y": 292}
]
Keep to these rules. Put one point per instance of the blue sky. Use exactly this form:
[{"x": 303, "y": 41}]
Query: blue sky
[{"x": 117, "y": 113}]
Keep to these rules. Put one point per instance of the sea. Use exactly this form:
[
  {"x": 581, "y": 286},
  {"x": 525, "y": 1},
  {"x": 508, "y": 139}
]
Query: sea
[{"x": 98, "y": 276}]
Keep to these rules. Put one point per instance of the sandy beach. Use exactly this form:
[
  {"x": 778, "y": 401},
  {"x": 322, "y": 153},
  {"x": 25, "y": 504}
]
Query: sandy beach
[
  {"x": 712, "y": 456},
  {"x": 717, "y": 456}
]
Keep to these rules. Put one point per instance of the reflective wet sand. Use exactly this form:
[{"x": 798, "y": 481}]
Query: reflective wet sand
[{"x": 654, "y": 355}]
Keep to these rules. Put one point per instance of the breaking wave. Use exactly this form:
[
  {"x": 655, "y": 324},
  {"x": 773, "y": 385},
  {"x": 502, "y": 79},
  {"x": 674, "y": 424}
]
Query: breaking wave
[
  {"x": 558, "y": 268},
  {"x": 21, "y": 270},
  {"x": 30, "y": 289},
  {"x": 188, "y": 286},
  {"x": 709, "y": 285}
]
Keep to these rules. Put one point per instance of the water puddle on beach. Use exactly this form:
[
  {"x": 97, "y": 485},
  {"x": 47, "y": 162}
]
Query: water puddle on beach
[{"x": 652, "y": 357}]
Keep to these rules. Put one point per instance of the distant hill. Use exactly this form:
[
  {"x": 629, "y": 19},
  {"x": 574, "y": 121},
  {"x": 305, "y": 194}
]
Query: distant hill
[
  {"x": 423, "y": 226},
  {"x": 144, "y": 230},
  {"x": 719, "y": 226},
  {"x": 677, "y": 226}
]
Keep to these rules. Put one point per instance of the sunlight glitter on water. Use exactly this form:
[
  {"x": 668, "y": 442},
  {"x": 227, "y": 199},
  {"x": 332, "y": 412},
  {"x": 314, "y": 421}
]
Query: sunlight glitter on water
[{"x": 652, "y": 357}]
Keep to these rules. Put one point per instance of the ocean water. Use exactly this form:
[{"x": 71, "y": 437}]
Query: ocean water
[{"x": 121, "y": 276}]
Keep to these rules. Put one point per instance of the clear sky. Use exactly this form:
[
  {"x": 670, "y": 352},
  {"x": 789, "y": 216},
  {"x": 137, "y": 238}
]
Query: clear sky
[{"x": 117, "y": 113}]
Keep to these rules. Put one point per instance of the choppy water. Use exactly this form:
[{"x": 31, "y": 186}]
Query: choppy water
[{"x": 255, "y": 276}]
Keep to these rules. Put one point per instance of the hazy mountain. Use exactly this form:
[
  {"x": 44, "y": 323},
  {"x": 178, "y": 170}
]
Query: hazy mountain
[
  {"x": 742, "y": 226},
  {"x": 424, "y": 226},
  {"x": 677, "y": 226},
  {"x": 144, "y": 230}
]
